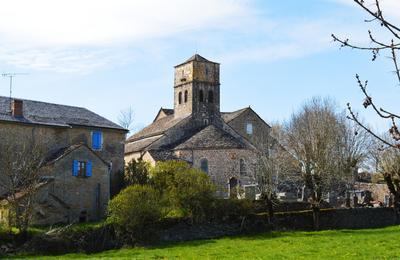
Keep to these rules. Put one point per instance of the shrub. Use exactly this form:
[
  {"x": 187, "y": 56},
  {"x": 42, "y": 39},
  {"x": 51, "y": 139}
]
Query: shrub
[
  {"x": 136, "y": 172},
  {"x": 185, "y": 189},
  {"x": 134, "y": 212},
  {"x": 232, "y": 209}
]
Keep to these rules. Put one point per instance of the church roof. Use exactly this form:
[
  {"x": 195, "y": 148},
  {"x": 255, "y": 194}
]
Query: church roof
[
  {"x": 42, "y": 113},
  {"x": 156, "y": 128},
  {"x": 196, "y": 57},
  {"x": 211, "y": 137},
  {"x": 229, "y": 116},
  {"x": 140, "y": 144}
]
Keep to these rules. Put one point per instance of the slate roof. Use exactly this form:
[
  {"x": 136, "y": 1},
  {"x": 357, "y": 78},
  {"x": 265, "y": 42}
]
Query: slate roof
[
  {"x": 162, "y": 155},
  {"x": 229, "y": 116},
  {"x": 211, "y": 137},
  {"x": 140, "y": 144},
  {"x": 168, "y": 111},
  {"x": 42, "y": 113},
  {"x": 156, "y": 128},
  {"x": 60, "y": 153},
  {"x": 196, "y": 57}
]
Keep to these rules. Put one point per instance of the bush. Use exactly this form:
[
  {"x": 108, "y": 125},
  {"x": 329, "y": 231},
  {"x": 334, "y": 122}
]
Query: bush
[
  {"x": 186, "y": 190},
  {"x": 136, "y": 172},
  {"x": 134, "y": 212},
  {"x": 232, "y": 209}
]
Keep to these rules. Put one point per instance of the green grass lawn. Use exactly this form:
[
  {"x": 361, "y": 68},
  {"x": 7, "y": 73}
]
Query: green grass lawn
[{"x": 381, "y": 243}]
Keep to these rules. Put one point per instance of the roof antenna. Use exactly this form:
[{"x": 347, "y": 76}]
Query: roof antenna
[{"x": 11, "y": 76}]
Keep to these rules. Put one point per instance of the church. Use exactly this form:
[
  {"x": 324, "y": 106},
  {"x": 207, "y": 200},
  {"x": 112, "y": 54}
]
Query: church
[{"x": 225, "y": 145}]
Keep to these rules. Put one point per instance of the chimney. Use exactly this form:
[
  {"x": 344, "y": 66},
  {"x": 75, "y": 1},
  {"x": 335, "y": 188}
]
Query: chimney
[{"x": 16, "y": 108}]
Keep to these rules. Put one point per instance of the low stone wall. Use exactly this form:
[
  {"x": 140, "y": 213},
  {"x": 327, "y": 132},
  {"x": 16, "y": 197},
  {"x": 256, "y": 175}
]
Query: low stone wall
[{"x": 355, "y": 218}]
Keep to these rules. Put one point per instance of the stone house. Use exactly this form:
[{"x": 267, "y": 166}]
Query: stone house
[
  {"x": 226, "y": 145},
  {"x": 84, "y": 157}
]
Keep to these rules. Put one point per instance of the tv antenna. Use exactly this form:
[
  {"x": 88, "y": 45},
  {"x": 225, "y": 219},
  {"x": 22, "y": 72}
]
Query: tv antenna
[{"x": 11, "y": 76}]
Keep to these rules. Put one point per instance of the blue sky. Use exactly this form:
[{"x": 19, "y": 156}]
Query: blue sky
[{"x": 111, "y": 55}]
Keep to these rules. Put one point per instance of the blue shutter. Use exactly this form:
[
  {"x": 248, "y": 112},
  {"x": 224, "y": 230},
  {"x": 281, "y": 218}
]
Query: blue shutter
[
  {"x": 88, "y": 169},
  {"x": 75, "y": 168},
  {"x": 96, "y": 140}
]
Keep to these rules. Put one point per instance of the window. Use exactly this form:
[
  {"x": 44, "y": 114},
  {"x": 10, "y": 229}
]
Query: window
[
  {"x": 186, "y": 96},
  {"x": 82, "y": 169},
  {"x": 242, "y": 167},
  {"x": 210, "y": 96},
  {"x": 97, "y": 140},
  {"x": 180, "y": 97},
  {"x": 201, "y": 95},
  {"x": 204, "y": 165},
  {"x": 206, "y": 71},
  {"x": 249, "y": 128}
]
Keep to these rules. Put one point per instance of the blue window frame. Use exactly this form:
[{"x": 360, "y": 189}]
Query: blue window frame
[
  {"x": 97, "y": 140},
  {"x": 82, "y": 168}
]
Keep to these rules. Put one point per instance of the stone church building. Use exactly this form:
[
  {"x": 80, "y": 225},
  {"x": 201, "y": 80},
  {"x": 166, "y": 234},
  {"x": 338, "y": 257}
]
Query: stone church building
[{"x": 225, "y": 145}]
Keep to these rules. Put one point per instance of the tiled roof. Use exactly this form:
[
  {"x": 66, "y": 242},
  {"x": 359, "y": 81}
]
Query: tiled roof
[
  {"x": 140, "y": 144},
  {"x": 156, "y": 128},
  {"x": 162, "y": 155},
  {"x": 195, "y": 57},
  {"x": 211, "y": 137},
  {"x": 229, "y": 116},
  {"x": 60, "y": 153},
  {"x": 41, "y": 113}
]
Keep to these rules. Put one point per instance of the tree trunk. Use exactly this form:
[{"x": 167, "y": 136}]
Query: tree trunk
[
  {"x": 316, "y": 211},
  {"x": 270, "y": 208},
  {"x": 396, "y": 208}
]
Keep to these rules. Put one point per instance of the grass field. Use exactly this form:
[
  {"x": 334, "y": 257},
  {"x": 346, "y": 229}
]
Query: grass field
[{"x": 381, "y": 243}]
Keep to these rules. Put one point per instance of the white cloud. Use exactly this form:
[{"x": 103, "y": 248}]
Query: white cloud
[
  {"x": 73, "y": 35},
  {"x": 101, "y": 22}
]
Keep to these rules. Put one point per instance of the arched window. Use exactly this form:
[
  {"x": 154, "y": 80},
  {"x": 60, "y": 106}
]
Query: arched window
[
  {"x": 210, "y": 96},
  {"x": 201, "y": 95},
  {"x": 204, "y": 165},
  {"x": 180, "y": 97},
  {"x": 186, "y": 96},
  {"x": 242, "y": 167}
]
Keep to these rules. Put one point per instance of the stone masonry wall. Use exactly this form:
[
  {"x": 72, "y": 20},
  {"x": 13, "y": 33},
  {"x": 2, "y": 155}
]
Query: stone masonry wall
[
  {"x": 223, "y": 164},
  {"x": 90, "y": 194},
  {"x": 54, "y": 138}
]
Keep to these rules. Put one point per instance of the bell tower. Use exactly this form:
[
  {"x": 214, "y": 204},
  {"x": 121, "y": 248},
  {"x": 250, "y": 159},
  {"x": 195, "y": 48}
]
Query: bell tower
[{"x": 197, "y": 89}]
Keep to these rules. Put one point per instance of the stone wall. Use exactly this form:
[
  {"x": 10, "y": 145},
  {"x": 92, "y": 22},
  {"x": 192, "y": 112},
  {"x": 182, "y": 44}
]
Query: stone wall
[
  {"x": 89, "y": 194},
  {"x": 223, "y": 164},
  {"x": 261, "y": 131},
  {"x": 54, "y": 138}
]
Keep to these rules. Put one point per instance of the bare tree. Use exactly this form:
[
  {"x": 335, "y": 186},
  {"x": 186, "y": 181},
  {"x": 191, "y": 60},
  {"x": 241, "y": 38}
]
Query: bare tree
[
  {"x": 392, "y": 47},
  {"x": 319, "y": 138},
  {"x": 389, "y": 167},
  {"x": 376, "y": 47},
  {"x": 125, "y": 118},
  {"x": 272, "y": 167},
  {"x": 20, "y": 165}
]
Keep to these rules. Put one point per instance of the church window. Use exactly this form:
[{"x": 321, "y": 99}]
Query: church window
[
  {"x": 186, "y": 96},
  {"x": 204, "y": 165},
  {"x": 249, "y": 128},
  {"x": 206, "y": 71},
  {"x": 201, "y": 95},
  {"x": 180, "y": 97},
  {"x": 242, "y": 167},
  {"x": 210, "y": 96}
]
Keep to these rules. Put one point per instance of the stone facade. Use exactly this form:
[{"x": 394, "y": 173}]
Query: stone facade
[
  {"x": 59, "y": 129},
  {"x": 54, "y": 138},
  {"x": 225, "y": 145}
]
